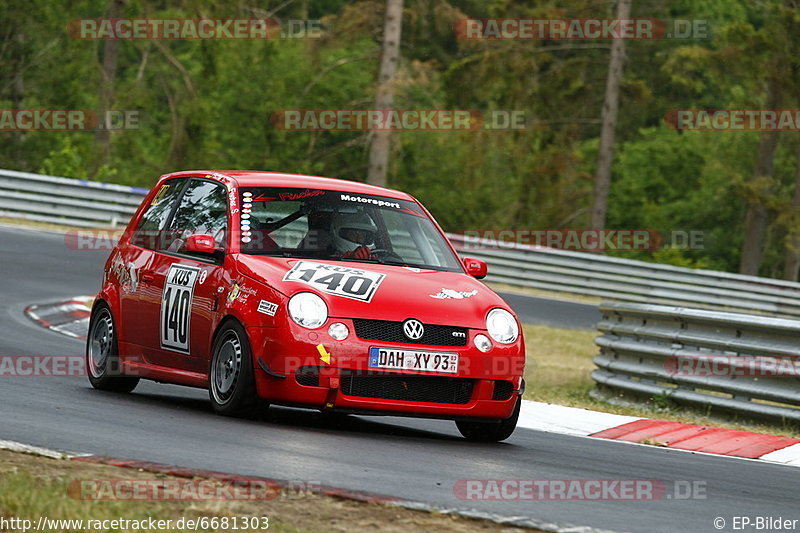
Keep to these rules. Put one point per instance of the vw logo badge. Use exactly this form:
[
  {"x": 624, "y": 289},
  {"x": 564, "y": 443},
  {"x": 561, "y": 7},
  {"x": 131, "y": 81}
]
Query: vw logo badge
[{"x": 413, "y": 329}]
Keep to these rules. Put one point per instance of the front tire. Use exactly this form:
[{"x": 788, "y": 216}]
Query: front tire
[
  {"x": 102, "y": 354},
  {"x": 491, "y": 431},
  {"x": 231, "y": 385}
]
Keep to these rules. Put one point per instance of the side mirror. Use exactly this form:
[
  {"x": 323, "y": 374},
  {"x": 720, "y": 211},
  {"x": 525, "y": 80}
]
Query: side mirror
[
  {"x": 476, "y": 267},
  {"x": 200, "y": 244}
]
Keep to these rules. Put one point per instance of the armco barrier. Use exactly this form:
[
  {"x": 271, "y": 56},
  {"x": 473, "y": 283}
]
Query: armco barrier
[
  {"x": 66, "y": 201},
  {"x": 736, "y": 362},
  {"x": 629, "y": 280}
]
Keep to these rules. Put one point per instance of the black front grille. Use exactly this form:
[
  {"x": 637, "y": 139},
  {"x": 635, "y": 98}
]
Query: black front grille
[
  {"x": 387, "y": 386},
  {"x": 390, "y": 331},
  {"x": 308, "y": 376},
  {"x": 502, "y": 390}
]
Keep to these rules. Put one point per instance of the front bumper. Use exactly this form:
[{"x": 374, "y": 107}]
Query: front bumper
[{"x": 296, "y": 366}]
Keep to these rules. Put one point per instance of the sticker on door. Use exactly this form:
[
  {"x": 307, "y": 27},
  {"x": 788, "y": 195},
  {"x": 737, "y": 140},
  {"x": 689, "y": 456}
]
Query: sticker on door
[{"x": 176, "y": 307}]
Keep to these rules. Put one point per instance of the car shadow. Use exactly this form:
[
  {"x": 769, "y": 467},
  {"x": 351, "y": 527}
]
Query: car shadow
[{"x": 276, "y": 415}]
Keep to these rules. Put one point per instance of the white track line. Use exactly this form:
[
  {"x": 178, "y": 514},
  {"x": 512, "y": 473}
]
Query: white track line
[
  {"x": 518, "y": 521},
  {"x": 37, "y": 450},
  {"x": 568, "y": 420}
]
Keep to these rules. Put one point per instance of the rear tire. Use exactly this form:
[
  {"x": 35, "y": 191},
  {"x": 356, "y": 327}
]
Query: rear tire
[
  {"x": 231, "y": 384},
  {"x": 102, "y": 354},
  {"x": 491, "y": 431}
]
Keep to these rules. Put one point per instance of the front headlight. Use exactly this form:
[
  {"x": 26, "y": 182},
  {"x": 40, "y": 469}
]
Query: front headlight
[
  {"x": 502, "y": 326},
  {"x": 308, "y": 310}
]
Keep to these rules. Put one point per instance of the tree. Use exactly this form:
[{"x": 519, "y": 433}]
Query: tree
[
  {"x": 755, "y": 224},
  {"x": 381, "y": 139},
  {"x": 605, "y": 156},
  {"x": 109, "y": 74},
  {"x": 760, "y": 190},
  {"x": 791, "y": 264}
]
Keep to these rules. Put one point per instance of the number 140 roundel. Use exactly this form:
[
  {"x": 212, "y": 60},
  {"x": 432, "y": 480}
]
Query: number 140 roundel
[{"x": 270, "y": 288}]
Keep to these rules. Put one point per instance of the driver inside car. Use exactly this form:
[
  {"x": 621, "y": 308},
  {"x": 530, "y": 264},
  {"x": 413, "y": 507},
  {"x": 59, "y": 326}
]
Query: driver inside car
[{"x": 352, "y": 234}]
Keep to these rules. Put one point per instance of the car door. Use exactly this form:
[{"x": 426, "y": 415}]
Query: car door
[
  {"x": 181, "y": 318},
  {"x": 132, "y": 263}
]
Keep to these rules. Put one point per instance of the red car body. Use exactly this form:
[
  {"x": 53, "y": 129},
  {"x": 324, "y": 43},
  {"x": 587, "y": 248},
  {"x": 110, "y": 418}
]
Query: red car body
[{"x": 290, "y": 364}]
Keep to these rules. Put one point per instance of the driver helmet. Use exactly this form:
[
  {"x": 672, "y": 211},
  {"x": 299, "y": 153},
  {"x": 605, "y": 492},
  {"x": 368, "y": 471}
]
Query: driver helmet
[{"x": 351, "y": 230}]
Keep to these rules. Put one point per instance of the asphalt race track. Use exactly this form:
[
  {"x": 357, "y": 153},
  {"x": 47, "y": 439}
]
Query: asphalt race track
[
  {"x": 419, "y": 460},
  {"x": 556, "y": 313}
]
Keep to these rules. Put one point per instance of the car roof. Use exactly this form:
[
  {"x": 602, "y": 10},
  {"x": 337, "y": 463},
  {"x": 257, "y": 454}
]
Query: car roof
[{"x": 257, "y": 178}]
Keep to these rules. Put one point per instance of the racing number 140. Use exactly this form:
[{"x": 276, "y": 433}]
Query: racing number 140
[
  {"x": 354, "y": 283},
  {"x": 176, "y": 307}
]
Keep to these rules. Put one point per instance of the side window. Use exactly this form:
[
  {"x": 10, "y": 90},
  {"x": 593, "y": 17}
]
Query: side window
[
  {"x": 149, "y": 232},
  {"x": 203, "y": 210}
]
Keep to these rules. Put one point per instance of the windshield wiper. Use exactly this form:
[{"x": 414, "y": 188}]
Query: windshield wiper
[
  {"x": 358, "y": 259},
  {"x": 421, "y": 267},
  {"x": 284, "y": 253}
]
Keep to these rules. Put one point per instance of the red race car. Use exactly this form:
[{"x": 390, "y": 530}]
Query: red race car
[{"x": 305, "y": 291}]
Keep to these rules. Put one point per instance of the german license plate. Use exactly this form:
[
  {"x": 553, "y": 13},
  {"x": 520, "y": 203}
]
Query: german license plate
[{"x": 393, "y": 359}]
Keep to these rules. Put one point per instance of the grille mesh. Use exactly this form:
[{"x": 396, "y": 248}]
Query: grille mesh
[
  {"x": 429, "y": 389},
  {"x": 502, "y": 390},
  {"x": 308, "y": 376},
  {"x": 391, "y": 331}
]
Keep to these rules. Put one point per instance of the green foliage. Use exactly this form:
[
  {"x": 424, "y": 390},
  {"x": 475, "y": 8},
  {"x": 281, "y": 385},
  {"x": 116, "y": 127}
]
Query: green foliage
[
  {"x": 212, "y": 104},
  {"x": 66, "y": 160}
]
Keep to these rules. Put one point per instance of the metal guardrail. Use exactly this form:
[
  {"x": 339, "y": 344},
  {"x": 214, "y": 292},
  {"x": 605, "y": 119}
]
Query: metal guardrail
[
  {"x": 629, "y": 280},
  {"x": 66, "y": 201},
  {"x": 84, "y": 203},
  {"x": 748, "y": 364}
]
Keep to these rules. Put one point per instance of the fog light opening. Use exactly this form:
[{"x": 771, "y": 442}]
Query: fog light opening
[
  {"x": 338, "y": 331},
  {"x": 482, "y": 342}
]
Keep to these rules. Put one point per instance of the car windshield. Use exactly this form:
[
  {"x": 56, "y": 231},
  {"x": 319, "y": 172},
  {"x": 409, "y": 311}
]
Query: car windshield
[{"x": 335, "y": 225}]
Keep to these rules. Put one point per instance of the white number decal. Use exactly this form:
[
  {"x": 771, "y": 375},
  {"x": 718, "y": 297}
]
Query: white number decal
[
  {"x": 176, "y": 307},
  {"x": 338, "y": 280}
]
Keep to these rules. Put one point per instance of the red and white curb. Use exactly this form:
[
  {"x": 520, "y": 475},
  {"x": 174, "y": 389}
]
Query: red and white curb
[
  {"x": 70, "y": 318},
  {"x": 674, "y": 435},
  {"x": 322, "y": 490}
]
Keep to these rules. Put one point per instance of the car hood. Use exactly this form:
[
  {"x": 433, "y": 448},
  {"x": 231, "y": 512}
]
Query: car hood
[{"x": 431, "y": 296}]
